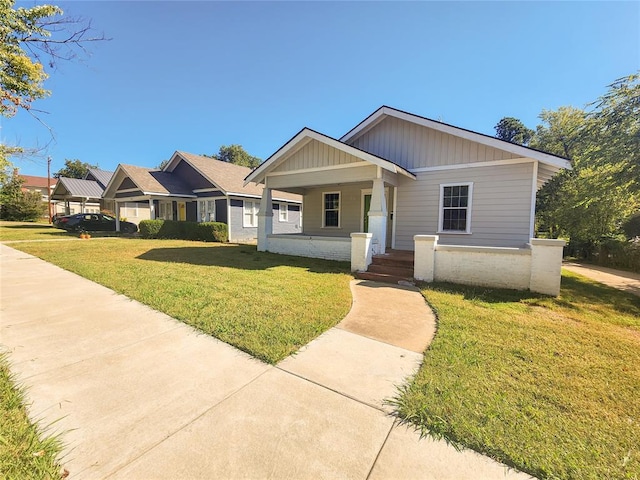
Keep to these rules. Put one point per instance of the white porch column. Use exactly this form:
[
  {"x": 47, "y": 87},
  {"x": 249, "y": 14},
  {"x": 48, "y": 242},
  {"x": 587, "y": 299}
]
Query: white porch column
[
  {"x": 360, "y": 251},
  {"x": 117, "y": 216},
  {"x": 265, "y": 219},
  {"x": 152, "y": 209},
  {"x": 378, "y": 215},
  {"x": 546, "y": 266},
  {"x": 424, "y": 263}
]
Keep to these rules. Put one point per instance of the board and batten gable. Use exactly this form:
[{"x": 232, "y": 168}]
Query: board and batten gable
[
  {"x": 414, "y": 146},
  {"x": 500, "y": 208},
  {"x": 313, "y": 155}
]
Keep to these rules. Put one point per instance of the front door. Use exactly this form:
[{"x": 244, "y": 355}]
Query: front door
[{"x": 182, "y": 211}]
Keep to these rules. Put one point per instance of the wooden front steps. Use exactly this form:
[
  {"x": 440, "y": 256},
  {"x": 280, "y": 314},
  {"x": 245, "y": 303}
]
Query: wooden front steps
[{"x": 392, "y": 267}]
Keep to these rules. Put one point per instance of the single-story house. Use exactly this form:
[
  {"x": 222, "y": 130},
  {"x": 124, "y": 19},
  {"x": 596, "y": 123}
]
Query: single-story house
[
  {"x": 75, "y": 195},
  {"x": 396, "y": 177},
  {"x": 200, "y": 189}
]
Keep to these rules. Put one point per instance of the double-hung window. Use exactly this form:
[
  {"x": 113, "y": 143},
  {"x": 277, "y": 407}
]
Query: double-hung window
[
  {"x": 165, "y": 210},
  {"x": 283, "y": 212},
  {"x": 207, "y": 210},
  {"x": 331, "y": 209},
  {"x": 455, "y": 208},
  {"x": 250, "y": 213}
]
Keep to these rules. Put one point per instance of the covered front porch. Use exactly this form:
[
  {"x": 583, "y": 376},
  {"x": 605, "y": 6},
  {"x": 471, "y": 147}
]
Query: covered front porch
[{"x": 344, "y": 191}]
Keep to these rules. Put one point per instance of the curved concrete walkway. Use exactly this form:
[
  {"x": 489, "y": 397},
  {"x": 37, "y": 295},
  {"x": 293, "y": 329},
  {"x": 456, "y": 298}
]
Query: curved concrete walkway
[
  {"x": 139, "y": 395},
  {"x": 626, "y": 281}
]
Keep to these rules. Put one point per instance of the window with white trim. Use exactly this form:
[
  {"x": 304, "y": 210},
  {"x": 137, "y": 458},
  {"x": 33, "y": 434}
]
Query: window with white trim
[
  {"x": 250, "y": 213},
  {"x": 283, "y": 212},
  {"x": 129, "y": 209},
  {"x": 165, "y": 210},
  {"x": 331, "y": 209},
  {"x": 455, "y": 207},
  {"x": 207, "y": 210}
]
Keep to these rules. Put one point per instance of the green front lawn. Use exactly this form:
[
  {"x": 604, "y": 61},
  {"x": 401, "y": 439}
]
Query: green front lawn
[
  {"x": 25, "y": 452},
  {"x": 548, "y": 385},
  {"x": 265, "y": 304},
  {"x": 11, "y": 231}
]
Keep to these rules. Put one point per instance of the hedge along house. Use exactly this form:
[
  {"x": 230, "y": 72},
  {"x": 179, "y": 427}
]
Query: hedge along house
[
  {"x": 400, "y": 181},
  {"x": 201, "y": 189},
  {"x": 73, "y": 195}
]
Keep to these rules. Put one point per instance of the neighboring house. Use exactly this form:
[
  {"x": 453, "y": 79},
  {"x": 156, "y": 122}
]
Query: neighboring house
[
  {"x": 196, "y": 188},
  {"x": 40, "y": 185},
  {"x": 396, "y": 176},
  {"x": 74, "y": 195}
]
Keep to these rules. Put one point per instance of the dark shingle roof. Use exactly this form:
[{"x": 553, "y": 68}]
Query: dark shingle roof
[{"x": 156, "y": 181}]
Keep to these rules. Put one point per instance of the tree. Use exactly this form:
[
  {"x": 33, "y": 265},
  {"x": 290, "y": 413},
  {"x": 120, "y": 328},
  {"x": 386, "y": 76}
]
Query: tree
[
  {"x": 18, "y": 205},
  {"x": 237, "y": 155},
  {"x": 74, "y": 169},
  {"x": 162, "y": 164},
  {"x": 513, "y": 130},
  {"x": 590, "y": 203},
  {"x": 29, "y": 39}
]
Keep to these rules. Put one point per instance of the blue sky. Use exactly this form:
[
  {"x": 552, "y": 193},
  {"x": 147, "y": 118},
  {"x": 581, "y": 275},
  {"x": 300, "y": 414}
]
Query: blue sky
[{"x": 194, "y": 76}]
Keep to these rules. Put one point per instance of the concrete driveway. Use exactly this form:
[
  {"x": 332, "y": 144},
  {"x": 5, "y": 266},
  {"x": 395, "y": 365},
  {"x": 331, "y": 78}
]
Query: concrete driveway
[
  {"x": 626, "y": 281},
  {"x": 139, "y": 395}
]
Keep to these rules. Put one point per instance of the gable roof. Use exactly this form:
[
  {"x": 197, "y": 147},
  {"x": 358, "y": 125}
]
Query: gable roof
[
  {"x": 381, "y": 113},
  {"x": 156, "y": 182},
  {"x": 34, "y": 181},
  {"x": 227, "y": 177},
  {"x": 100, "y": 176},
  {"x": 307, "y": 134},
  {"x": 75, "y": 187}
]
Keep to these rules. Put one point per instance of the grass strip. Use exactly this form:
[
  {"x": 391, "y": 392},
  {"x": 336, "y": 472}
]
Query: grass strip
[
  {"x": 25, "y": 452},
  {"x": 548, "y": 385}
]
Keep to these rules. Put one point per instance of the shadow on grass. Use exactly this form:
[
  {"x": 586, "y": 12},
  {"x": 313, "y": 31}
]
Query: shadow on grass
[
  {"x": 244, "y": 257},
  {"x": 576, "y": 292}
]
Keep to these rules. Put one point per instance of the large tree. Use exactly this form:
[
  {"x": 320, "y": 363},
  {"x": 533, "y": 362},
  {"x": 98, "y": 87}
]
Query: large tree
[
  {"x": 591, "y": 202},
  {"x": 513, "y": 130},
  {"x": 74, "y": 169},
  {"x": 31, "y": 38},
  {"x": 16, "y": 204},
  {"x": 237, "y": 155}
]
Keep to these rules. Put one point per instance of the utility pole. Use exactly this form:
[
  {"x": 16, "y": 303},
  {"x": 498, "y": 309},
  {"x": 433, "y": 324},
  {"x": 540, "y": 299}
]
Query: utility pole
[{"x": 49, "y": 187}]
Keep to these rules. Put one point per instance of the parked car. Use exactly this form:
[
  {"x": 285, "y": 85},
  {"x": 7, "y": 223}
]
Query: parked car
[{"x": 92, "y": 222}]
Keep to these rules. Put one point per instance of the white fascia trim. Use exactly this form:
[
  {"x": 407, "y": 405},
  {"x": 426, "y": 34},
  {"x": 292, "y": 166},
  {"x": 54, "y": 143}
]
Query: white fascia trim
[
  {"x": 159, "y": 194},
  {"x": 461, "y": 133},
  {"x": 534, "y": 190},
  {"x": 458, "y": 166},
  {"x": 247, "y": 195},
  {"x": 305, "y": 135},
  {"x": 441, "y": 208},
  {"x": 321, "y": 169},
  {"x": 119, "y": 170},
  {"x": 206, "y": 190}
]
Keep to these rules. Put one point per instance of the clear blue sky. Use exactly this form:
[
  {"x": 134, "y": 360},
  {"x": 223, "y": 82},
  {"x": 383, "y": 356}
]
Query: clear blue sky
[{"x": 194, "y": 76}]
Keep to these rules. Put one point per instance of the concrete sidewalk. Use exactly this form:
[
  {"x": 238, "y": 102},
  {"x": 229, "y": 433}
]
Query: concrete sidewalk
[
  {"x": 626, "y": 281},
  {"x": 139, "y": 395}
]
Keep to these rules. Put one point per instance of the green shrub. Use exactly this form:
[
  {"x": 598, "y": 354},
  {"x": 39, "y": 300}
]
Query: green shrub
[
  {"x": 213, "y": 232},
  {"x": 618, "y": 253},
  {"x": 150, "y": 228},
  {"x": 207, "y": 232}
]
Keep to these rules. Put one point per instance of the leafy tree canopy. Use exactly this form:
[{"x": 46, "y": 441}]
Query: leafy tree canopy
[
  {"x": 593, "y": 201},
  {"x": 18, "y": 205},
  {"x": 513, "y": 130},
  {"x": 31, "y": 38},
  {"x": 74, "y": 169},
  {"x": 237, "y": 155}
]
